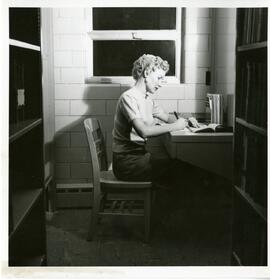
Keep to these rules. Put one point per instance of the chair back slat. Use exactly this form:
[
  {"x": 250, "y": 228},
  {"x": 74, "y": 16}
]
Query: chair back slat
[{"x": 97, "y": 149}]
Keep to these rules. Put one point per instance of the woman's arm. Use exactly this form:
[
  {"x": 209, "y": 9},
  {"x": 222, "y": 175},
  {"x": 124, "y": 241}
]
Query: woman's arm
[
  {"x": 154, "y": 130},
  {"x": 165, "y": 117}
]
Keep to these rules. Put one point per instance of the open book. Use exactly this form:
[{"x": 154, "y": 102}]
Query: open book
[{"x": 212, "y": 127}]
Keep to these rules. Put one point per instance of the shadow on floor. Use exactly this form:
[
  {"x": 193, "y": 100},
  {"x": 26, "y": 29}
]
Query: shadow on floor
[{"x": 191, "y": 229}]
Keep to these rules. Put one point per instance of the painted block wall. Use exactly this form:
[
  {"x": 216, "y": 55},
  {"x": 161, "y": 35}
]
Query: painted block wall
[
  {"x": 75, "y": 100},
  {"x": 224, "y": 56}
]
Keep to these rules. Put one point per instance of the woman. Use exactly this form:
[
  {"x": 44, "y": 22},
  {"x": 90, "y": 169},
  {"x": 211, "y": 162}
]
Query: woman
[{"x": 136, "y": 119}]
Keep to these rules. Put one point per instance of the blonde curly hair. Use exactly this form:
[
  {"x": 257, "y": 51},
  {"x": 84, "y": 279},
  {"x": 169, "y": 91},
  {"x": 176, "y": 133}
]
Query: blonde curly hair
[{"x": 148, "y": 61}]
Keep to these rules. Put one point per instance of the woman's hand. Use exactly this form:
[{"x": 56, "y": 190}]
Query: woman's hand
[
  {"x": 180, "y": 124},
  {"x": 193, "y": 122}
]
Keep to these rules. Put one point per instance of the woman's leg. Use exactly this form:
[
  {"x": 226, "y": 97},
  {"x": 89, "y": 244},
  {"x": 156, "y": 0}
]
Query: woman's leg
[{"x": 132, "y": 167}]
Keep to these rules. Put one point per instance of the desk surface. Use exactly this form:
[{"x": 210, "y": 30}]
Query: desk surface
[{"x": 187, "y": 136}]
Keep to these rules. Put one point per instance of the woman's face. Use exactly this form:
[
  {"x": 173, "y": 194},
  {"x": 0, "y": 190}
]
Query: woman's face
[{"x": 153, "y": 80}]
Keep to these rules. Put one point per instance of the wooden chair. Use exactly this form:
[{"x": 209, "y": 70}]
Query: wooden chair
[{"x": 110, "y": 195}]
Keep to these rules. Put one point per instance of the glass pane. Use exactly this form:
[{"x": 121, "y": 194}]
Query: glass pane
[
  {"x": 134, "y": 18},
  {"x": 115, "y": 58}
]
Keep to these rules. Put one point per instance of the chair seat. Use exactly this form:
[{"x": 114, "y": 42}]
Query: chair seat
[{"x": 108, "y": 178}]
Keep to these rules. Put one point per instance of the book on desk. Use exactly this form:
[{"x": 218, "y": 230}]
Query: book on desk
[{"x": 212, "y": 127}]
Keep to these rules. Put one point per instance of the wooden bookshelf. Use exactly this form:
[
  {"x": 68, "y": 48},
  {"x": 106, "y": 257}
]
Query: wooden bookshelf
[
  {"x": 23, "y": 202},
  {"x": 19, "y": 129},
  {"x": 27, "y": 232},
  {"x": 261, "y": 211},
  {"x": 249, "y": 230},
  {"x": 250, "y": 47},
  {"x": 251, "y": 126},
  {"x": 20, "y": 44}
]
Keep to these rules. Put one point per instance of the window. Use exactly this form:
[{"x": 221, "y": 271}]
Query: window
[{"x": 119, "y": 36}]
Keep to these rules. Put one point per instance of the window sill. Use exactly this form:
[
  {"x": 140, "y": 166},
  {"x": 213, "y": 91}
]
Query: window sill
[{"x": 125, "y": 80}]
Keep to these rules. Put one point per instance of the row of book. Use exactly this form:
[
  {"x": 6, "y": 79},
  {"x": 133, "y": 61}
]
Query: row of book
[
  {"x": 249, "y": 240},
  {"x": 251, "y": 100},
  {"x": 254, "y": 25},
  {"x": 251, "y": 165}
]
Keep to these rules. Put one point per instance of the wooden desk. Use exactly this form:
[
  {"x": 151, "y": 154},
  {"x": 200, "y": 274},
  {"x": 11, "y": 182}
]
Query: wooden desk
[{"x": 210, "y": 151}]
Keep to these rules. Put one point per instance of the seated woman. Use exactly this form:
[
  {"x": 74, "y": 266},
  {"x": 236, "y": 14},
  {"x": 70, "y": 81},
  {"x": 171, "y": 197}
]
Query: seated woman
[{"x": 136, "y": 119}]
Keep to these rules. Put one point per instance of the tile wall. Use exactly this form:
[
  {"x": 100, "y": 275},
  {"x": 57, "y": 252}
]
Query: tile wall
[{"x": 75, "y": 100}]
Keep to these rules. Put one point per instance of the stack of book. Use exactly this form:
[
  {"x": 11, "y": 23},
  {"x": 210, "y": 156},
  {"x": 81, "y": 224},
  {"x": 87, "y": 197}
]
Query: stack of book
[
  {"x": 252, "y": 102},
  {"x": 250, "y": 166},
  {"x": 255, "y": 26}
]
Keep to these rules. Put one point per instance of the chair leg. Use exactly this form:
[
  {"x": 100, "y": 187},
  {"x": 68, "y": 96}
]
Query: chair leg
[
  {"x": 147, "y": 215},
  {"x": 102, "y": 206},
  {"x": 94, "y": 219}
]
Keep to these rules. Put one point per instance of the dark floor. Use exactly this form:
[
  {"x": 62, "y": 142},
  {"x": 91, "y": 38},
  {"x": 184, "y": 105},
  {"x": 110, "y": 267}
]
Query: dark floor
[{"x": 193, "y": 231}]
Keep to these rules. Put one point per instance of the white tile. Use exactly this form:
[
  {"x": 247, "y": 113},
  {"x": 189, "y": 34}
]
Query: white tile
[
  {"x": 170, "y": 92},
  {"x": 230, "y": 109},
  {"x": 168, "y": 105},
  {"x": 196, "y": 42},
  {"x": 56, "y": 13},
  {"x": 62, "y": 155},
  {"x": 198, "y": 26},
  {"x": 88, "y": 107},
  {"x": 197, "y": 12},
  {"x": 225, "y": 59},
  {"x": 62, "y": 58},
  {"x": 79, "y": 155},
  {"x": 226, "y": 12},
  {"x": 78, "y": 126},
  {"x": 72, "y": 75},
  {"x": 225, "y": 26},
  {"x": 78, "y": 139},
  {"x": 61, "y": 107},
  {"x": 197, "y": 59},
  {"x": 125, "y": 87},
  {"x": 225, "y": 75},
  {"x": 62, "y": 139},
  {"x": 62, "y": 170},
  {"x": 57, "y": 75},
  {"x": 71, "y": 12},
  {"x": 69, "y": 26},
  {"x": 68, "y": 123},
  {"x": 102, "y": 91},
  {"x": 195, "y": 75},
  {"x": 228, "y": 88},
  {"x": 111, "y": 107},
  {"x": 81, "y": 170},
  {"x": 78, "y": 58},
  {"x": 69, "y": 91},
  {"x": 225, "y": 43},
  {"x": 106, "y": 123},
  {"x": 194, "y": 91},
  {"x": 191, "y": 106},
  {"x": 73, "y": 42}
]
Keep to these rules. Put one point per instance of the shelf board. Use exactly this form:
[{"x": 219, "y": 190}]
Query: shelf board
[
  {"x": 258, "y": 209},
  {"x": 237, "y": 259},
  {"x": 23, "y": 201},
  {"x": 253, "y": 46},
  {"x": 253, "y": 127},
  {"x": 19, "y": 129},
  {"x": 24, "y": 45},
  {"x": 31, "y": 261}
]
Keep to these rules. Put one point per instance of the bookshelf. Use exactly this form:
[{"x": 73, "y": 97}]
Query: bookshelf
[
  {"x": 27, "y": 232},
  {"x": 249, "y": 228}
]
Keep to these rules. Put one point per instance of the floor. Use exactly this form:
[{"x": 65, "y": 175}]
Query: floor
[{"x": 191, "y": 229}]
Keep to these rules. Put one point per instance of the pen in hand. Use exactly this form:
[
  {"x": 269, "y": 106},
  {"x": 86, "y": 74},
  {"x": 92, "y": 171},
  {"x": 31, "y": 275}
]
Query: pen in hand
[{"x": 175, "y": 114}]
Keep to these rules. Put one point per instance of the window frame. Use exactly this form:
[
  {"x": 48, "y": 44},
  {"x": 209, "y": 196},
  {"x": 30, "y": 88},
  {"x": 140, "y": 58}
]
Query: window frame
[{"x": 172, "y": 34}]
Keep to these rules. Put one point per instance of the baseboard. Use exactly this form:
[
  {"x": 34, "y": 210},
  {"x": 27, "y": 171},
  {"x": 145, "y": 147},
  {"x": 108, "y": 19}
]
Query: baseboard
[{"x": 74, "y": 195}]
